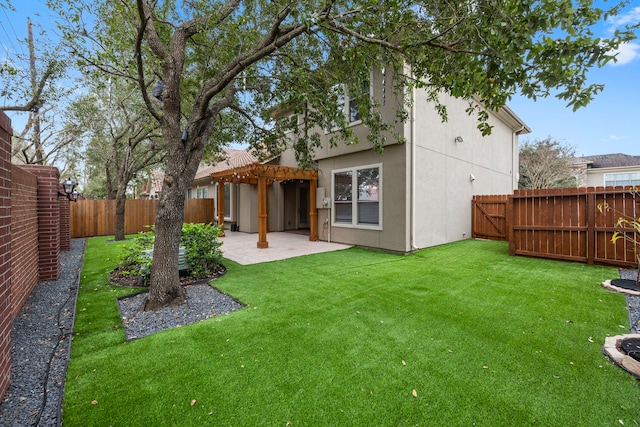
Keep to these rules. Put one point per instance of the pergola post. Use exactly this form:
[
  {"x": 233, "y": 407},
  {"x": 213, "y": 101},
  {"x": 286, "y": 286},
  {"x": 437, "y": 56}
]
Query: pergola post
[
  {"x": 262, "y": 212},
  {"x": 313, "y": 211},
  {"x": 221, "y": 207}
]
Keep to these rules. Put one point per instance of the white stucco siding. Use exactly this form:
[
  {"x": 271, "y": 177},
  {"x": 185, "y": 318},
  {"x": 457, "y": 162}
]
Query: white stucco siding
[{"x": 444, "y": 167}]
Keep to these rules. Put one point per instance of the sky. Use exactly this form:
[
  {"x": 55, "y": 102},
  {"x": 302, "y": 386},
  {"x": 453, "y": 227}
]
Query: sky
[{"x": 609, "y": 124}]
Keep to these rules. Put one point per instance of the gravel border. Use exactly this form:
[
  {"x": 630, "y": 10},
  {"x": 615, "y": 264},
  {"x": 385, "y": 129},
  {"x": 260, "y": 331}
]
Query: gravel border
[
  {"x": 203, "y": 301},
  {"x": 40, "y": 347}
]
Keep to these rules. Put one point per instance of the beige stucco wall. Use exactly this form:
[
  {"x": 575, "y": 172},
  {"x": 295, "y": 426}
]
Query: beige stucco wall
[
  {"x": 443, "y": 169},
  {"x": 595, "y": 177},
  {"x": 392, "y": 236}
]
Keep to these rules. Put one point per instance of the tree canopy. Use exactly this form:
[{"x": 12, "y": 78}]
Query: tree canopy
[
  {"x": 226, "y": 65},
  {"x": 546, "y": 163}
]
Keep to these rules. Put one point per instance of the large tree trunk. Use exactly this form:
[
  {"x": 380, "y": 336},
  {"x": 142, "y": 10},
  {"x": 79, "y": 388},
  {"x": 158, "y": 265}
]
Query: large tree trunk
[
  {"x": 121, "y": 200},
  {"x": 165, "y": 288}
]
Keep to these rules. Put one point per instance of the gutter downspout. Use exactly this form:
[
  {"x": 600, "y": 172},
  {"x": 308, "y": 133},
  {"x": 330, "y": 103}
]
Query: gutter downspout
[
  {"x": 516, "y": 157},
  {"x": 412, "y": 215}
]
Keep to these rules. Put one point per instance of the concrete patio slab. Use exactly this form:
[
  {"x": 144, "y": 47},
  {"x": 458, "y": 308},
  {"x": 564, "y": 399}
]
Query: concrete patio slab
[{"x": 242, "y": 247}]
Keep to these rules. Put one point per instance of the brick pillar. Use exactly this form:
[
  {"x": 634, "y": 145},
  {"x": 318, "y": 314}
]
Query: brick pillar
[
  {"x": 48, "y": 220},
  {"x": 5, "y": 252},
  {"x": 65, "y": 224}
]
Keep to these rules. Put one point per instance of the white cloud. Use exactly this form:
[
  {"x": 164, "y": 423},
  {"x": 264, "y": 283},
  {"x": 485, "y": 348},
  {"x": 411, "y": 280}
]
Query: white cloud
[
  {"x": 631, "y": 17},
  {"x": 614, "y": 138},
  {"x": 626, "y": 52}
]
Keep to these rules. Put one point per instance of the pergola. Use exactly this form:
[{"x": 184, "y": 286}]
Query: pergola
[{"x": 263, "y": 175}]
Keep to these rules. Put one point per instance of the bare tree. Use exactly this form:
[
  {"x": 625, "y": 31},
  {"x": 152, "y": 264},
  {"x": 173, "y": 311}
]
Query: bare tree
[{"x": 546, "y": 164}]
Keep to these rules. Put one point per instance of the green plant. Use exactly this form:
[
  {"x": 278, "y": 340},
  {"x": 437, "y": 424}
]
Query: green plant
[
  {"x": 628, "y": 228},
  {"x": 202, "y": 248},
  {"x": 134, "y": 260}
]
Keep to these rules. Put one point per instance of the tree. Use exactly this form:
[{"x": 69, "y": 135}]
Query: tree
[
  {"x": 33, "y": 84},
  {"x": 123, "y": 139},
  {"x": 546, "y": 164},
  {"x": 246, "y": 58}
]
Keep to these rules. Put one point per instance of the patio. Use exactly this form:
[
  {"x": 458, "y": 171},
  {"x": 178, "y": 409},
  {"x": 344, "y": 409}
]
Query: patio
[{"x": 241, "y": 247}]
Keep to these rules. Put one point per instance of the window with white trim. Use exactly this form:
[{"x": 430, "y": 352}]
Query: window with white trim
[
  {"x": 202, "y": 192},
  {"x": 348, "y": 103},
  {"x": 357, "y": 196},
  {"x": 622, "y": 179}
]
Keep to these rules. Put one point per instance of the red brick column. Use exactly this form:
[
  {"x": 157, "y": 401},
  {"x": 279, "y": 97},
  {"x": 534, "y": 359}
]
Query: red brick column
[
  {"x": 65, "y": 225},
  {"x": 5, "y": 252},
  {"x": 48, "y": 219}
]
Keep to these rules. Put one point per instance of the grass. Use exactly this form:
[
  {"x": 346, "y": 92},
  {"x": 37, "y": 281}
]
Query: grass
[{"x": 460, "y": 334}]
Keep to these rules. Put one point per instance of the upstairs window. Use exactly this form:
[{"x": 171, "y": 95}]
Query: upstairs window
[{"x": 348, "y": 102}]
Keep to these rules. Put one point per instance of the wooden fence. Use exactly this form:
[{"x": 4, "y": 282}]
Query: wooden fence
[
  {"x": 91, "y": 218},
  {"x": 563, "y": 224},
  {"x": 489, "y": 217}
]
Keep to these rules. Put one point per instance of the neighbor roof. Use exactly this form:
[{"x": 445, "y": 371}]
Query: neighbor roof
[{"x": 609, "y": 160}]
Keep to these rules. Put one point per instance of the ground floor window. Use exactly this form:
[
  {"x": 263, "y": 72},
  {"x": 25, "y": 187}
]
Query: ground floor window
[
  {"x": 202, "y": 193},
  {"x": 622, "y": 179},
  {"x": 357, "y": 197}
]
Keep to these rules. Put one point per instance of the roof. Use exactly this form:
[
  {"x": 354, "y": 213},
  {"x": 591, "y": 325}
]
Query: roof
[
  {"x": 231, "y": 159},
  {"x": 609, "y": 160}
]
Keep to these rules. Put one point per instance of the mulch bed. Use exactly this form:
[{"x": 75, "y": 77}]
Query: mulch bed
[{"x": 119, "y": 277}]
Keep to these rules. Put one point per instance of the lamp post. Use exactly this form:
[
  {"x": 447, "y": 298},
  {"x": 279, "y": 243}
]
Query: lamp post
[{"x": 69, "y": 190}]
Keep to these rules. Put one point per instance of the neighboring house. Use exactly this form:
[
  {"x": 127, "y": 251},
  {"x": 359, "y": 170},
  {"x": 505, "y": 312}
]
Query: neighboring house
[
  {"x": 607, "y": 170},
  {"x": 151, "y": 188},
  {"x": 412, "y": 196}
]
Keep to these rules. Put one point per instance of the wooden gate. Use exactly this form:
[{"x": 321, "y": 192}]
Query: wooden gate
[{"x": 489, "y": 217}]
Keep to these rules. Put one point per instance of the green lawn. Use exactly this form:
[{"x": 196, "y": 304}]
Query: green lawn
[{"x": 460, "y": 334}]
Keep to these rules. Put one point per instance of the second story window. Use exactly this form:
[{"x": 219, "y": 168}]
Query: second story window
[{"x": 348, "y": 102}]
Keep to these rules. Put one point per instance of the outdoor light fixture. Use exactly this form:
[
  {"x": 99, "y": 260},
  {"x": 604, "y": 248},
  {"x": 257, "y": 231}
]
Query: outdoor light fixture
[
  {"x": 458, "y": 139},
  {"x": 69, "y": 190},
  {"x": 157, "y": 89},
  {"x": 472, "y": 178}
]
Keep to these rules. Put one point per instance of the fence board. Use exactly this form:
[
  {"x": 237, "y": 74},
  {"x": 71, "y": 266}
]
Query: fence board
[
  {"x": 90, "y": 218},
  {"x": 566, "y": 224}
]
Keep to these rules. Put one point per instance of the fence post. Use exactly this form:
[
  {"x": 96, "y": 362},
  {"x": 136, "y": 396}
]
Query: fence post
[
  {"x": 591, "y": 224},
  {"x": 510, "y": 221}
]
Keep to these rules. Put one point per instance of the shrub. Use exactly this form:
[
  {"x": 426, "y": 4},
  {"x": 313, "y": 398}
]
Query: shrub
[
  {"x": 133, "y": 260},
  {"x": 202, "y": 247},
  {"x": 199, "y": 240}
]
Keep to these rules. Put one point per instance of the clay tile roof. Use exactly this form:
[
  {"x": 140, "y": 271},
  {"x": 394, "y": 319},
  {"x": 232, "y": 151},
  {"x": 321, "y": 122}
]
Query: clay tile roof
[
  {"x": 232, "y": 158},
  {"x": 610, "y": 160}
]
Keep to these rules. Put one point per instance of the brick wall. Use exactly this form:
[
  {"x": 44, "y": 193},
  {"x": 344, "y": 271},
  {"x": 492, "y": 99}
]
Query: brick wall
[
  {"x": 24, "y": 236},
  {"x": 48, "y": 219},
  {"x": 5, "y": 252}
]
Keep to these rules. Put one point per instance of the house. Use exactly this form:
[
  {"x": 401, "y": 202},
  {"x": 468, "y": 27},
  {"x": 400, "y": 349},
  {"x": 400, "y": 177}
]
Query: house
[
  {"x": 413, "y": 195},
  {"x": 607, "y": 170},
  {"x": 153, "y": 185}
]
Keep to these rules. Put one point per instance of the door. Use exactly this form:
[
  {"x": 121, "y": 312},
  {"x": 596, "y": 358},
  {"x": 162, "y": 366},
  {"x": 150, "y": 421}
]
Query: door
[{"x": 303, "y": 205}]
